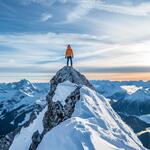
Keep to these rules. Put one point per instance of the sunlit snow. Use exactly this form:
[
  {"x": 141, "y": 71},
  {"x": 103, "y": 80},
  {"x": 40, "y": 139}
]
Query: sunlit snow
[{"x": 131, "y": 88}]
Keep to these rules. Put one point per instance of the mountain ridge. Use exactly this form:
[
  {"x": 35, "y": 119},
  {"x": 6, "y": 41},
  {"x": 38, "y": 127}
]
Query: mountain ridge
[{"x": 82, "y": 104}]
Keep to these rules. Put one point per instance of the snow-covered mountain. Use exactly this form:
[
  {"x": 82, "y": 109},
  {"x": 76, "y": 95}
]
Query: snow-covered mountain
[
  {"x": 18, "y": 100},
  {"x": 126, "y": 95},
  {"x": 93, "y": 125},
  {"x": 133, "y": 106},
  {"x": 109, "y": 89},
  {"x": 77, "y": 117},
  {"x": 140, "y": 100}
]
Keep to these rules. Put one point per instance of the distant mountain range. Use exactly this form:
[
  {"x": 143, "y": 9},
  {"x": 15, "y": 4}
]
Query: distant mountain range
[{"x": 17, "y": 101}]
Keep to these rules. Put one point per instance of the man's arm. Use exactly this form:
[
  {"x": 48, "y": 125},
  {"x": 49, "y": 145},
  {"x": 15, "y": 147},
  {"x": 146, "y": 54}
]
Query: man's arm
[
  {"x": 66, "y": 53},
  {"x": 72, "y": 53}
]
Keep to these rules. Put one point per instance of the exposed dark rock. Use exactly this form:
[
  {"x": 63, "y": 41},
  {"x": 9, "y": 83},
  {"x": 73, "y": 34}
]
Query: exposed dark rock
[
  {"x": 36, "y": 139},
  {"x": 56, "y": 112},
  {"x": 70, "y": 74},
  {"x": 6, "y": 141},
  {"x": 32, "y": 117}
]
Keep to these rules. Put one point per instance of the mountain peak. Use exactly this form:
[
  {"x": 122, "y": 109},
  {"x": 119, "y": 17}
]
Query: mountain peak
[
  {"x": 25, "y": 81},
  {"x": 66, "y": 78},
  {"x": 80, "y": 114},
  {"x": 72, "y": 75},
  {"x": 24, "y": 84}
]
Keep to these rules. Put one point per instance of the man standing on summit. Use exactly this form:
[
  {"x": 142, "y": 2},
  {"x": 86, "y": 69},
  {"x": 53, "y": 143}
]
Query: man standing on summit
[{"x": 69, "y": 55}]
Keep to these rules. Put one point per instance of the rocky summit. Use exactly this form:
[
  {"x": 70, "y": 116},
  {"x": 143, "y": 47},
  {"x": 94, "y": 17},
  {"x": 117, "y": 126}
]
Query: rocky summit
[
  {"x": 56, "y": 112},
  {"x": 55, "y": 108}
]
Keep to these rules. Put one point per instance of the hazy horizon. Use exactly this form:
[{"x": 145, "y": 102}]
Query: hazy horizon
[{"x": 91, "y": 76}]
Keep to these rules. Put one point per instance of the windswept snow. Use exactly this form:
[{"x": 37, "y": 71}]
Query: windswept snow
[
  {"x": 131, "y": 88},
  {"x": 93, "y": 126},
  {"x": 63, "y": 90},
  {"x": 23, "y": 139}
]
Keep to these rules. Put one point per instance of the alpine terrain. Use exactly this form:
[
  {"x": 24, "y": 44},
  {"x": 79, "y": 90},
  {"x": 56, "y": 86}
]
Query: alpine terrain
[
  {"x": 131, "y": 100},
  {"x": 20, "y": 103},
  {"x": 76, "y": 117}
]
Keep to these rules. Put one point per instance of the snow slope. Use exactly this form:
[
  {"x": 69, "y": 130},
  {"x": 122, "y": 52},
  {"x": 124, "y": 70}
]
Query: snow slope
[
  {"x": 93, "y": 126},
  {"x": 23, "y": 139},
  {"x": 63, "y": 90}
]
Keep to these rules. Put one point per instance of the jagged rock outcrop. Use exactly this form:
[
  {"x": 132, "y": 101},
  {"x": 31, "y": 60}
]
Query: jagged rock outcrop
[
  {"x": 70, "y": 74},
  {"x": 36, "y": 139},
  {"x": 6, "y": 141},
  {"x": 57, "y": 113}
]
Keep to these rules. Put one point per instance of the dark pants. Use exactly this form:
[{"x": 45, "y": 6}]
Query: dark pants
[{"x": 69, "y": 58}]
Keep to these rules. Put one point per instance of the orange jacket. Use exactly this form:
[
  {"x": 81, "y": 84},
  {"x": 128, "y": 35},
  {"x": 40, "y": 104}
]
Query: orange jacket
[{"x": 69, "y": 52}]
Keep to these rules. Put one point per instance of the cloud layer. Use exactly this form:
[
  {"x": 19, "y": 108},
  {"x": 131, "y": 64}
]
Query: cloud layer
[{"x": 107, "y": 36}]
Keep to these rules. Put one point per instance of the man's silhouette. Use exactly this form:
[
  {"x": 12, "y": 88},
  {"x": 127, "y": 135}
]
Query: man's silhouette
[{"x": 69, "y": 55}]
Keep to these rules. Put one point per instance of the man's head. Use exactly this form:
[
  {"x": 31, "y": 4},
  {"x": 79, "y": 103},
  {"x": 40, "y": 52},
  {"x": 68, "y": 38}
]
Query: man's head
[{"x": 68, "y": 46}]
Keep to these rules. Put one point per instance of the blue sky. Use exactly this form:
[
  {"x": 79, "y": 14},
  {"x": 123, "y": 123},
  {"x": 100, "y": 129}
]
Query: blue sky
[{"x": 108, "y": 36}]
